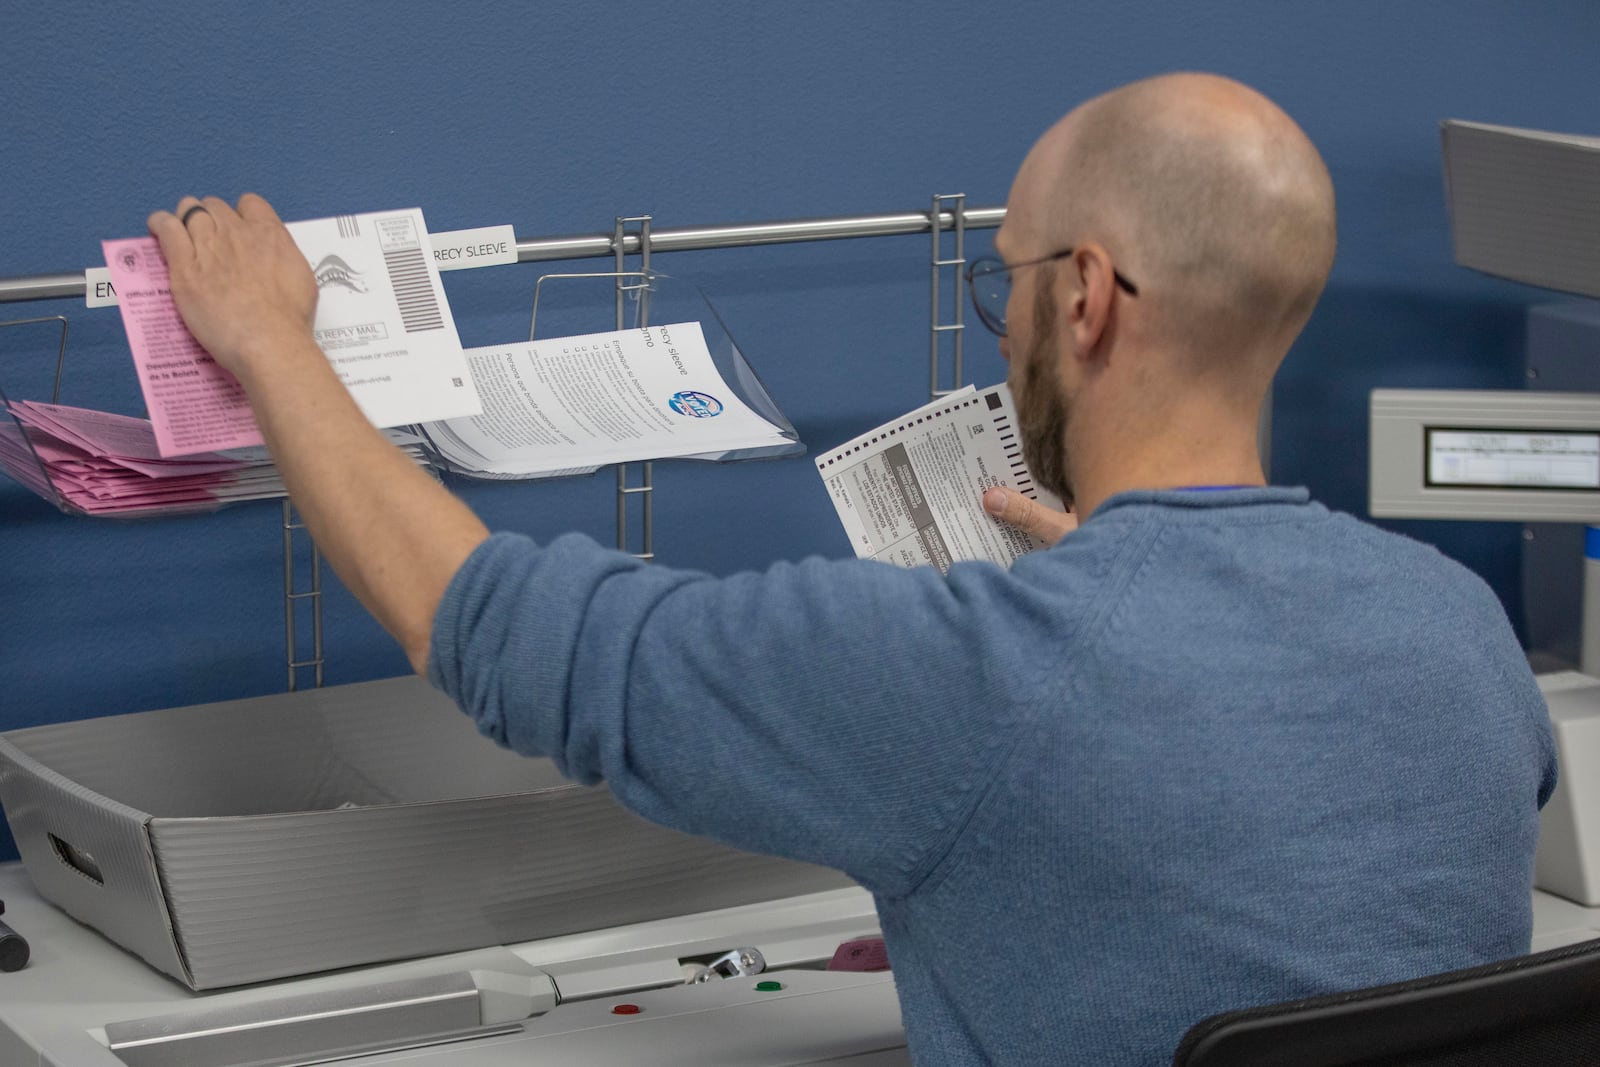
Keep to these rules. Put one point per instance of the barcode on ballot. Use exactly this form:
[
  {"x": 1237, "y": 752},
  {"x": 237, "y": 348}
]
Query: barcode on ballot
[
  {"x": 1012, "y": 447},
  {"x": 413, "y": 290}
]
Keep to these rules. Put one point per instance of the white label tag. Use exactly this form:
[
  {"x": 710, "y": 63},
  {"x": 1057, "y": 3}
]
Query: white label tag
[
  {"x": 486, "y": 246},
  {"x": 97, "y": 291}
]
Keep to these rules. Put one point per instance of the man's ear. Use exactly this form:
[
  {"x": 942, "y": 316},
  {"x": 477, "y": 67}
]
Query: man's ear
[{"x": 1088, "y": 295}]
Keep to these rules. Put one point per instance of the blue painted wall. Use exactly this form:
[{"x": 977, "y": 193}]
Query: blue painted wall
[{"x": 556, "y": 117}]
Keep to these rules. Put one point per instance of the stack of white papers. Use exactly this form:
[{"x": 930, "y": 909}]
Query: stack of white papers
[
  {"x": 102, "y": 464},
  {"x": 570, "y": 405}
]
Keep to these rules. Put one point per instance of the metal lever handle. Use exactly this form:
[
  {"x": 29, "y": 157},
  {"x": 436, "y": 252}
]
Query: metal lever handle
[{"x": 741, "y": 961}]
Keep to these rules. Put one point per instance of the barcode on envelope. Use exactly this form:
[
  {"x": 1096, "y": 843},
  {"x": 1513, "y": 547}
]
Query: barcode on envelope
[{"x": 413, "y": 290}]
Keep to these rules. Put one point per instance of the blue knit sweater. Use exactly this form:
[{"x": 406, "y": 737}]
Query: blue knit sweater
[{"x": 1212, "y": 750}]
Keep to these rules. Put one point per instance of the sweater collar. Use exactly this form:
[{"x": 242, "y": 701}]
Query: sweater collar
[{"x": 1212, "y": 500}]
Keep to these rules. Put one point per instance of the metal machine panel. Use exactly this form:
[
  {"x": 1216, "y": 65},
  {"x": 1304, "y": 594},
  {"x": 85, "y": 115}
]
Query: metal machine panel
[
  {"x": 1541, "y": 428},
  {"x": 605, "y": 996}
]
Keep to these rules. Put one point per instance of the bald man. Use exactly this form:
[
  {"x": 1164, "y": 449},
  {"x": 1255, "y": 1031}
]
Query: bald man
[{"x": 1217, "y": 747}]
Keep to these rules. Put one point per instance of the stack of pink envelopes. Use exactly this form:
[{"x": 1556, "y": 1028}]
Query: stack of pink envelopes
[{"x": 98, "y": 463}]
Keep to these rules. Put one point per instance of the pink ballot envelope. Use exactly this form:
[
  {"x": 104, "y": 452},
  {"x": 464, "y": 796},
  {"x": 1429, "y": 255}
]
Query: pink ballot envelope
[
  {"x": 194, "y": 405},
  {"x": 382, "y": 320}
]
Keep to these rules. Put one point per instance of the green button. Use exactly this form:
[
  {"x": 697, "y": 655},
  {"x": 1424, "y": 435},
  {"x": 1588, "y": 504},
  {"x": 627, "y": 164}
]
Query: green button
[{"x": 768, "y": 987}]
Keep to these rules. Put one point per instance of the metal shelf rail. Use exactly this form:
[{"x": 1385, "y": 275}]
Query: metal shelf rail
[
  {"x": 947, "y": 221},
  {"x": 595, "y": 246}
]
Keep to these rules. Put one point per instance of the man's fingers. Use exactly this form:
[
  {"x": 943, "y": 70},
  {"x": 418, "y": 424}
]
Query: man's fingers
[
  {"x": 255, "y": 208},
  {"x": 193, "y": 215},
  {"x": 163, "y": 221},
  {"x": 1047, "y": 524},
  {"x": 169, "y": 232},
  {"x": 217, "y": 232},
  {"x": 220, "y": 210}
]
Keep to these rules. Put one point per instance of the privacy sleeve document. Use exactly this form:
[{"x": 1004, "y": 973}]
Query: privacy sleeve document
[
  {"x": 569, "y": 404},
  {"x": 909, "y": 491},
  {"x": 382, "y": 319}
]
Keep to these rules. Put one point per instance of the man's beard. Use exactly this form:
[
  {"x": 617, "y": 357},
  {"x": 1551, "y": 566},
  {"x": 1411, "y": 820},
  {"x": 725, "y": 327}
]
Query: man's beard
[{"x": 1041, "y": 409}]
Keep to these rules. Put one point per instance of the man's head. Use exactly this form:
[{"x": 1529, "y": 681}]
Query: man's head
[{"x": 1213, "y": 204}]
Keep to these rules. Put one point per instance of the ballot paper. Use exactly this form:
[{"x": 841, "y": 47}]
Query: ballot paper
[
  {"x": 910, "y": 491},
  {"x": 569, "y": 405},
  {"x": 382, "y": 319},
  {"x": 100, "y": 463}
]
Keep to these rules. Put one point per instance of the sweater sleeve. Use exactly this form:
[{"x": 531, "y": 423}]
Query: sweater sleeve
[{"x": 839, "y": 712}]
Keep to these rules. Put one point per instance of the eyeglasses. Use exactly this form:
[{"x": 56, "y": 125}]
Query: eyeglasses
[{"x": 989, "y": 281}]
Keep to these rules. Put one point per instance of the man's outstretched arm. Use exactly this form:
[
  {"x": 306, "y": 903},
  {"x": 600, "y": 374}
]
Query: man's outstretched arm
[{"x": 393, "y": 535}]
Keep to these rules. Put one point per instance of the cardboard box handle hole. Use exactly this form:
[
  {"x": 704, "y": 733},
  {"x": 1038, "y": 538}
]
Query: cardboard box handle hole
[{"x": 77, "y": 859}]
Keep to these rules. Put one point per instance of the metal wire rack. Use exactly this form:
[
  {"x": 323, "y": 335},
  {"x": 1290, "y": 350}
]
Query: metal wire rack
[{"x": 947, "y": 221}]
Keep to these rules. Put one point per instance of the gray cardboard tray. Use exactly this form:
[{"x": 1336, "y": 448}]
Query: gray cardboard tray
[{"x": 255, "y": 839}]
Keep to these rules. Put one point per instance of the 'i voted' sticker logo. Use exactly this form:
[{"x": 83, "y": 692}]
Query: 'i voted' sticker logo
[{"x": 695, "y": 404}]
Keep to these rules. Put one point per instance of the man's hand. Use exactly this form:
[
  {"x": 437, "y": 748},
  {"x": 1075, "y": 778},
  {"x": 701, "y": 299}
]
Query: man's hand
[
  {"x": 243, "y": 287},
  {"x": 1047, "y": 524},
  {"x": 393, "y": 534}
]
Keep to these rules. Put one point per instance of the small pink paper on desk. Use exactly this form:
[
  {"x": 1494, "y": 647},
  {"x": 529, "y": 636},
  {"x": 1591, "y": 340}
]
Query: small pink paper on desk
[{"x": 194, "y": 405}]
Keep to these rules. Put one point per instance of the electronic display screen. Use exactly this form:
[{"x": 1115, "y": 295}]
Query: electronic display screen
[{"x": 1512, "y": 459}]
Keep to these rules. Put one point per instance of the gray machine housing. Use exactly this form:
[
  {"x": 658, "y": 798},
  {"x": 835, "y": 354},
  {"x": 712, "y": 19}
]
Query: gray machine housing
[{"x": 285, "y": 835}]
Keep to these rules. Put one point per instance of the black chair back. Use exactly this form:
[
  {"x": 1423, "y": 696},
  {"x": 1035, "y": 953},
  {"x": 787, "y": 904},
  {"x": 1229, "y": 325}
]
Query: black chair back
[{"x": 1541, "y": 1010}]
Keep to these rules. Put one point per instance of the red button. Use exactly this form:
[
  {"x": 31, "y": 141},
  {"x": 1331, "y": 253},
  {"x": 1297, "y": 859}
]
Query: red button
[{"x": 626, "y": 1009}]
